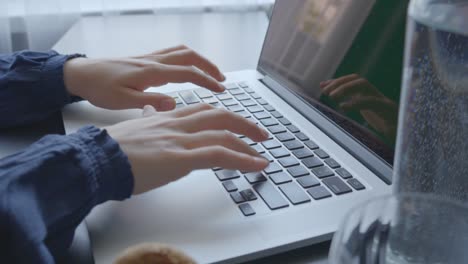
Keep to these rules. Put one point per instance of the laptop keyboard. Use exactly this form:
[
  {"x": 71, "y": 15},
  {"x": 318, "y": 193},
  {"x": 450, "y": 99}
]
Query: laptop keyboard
[{"x": 299, "y": 170}]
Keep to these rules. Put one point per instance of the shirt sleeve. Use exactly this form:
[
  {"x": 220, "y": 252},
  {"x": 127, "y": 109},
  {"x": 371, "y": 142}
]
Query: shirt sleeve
[
  {"x": 32, "y": 86},
  {"x": 47, "y": 189}
]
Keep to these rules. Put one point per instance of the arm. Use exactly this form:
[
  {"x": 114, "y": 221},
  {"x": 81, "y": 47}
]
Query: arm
[
  {"x": 48, "y": 189},
  {"x": 31, "y": 86}
]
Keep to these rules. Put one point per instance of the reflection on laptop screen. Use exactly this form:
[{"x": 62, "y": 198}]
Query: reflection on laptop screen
[{"x": 344, "y": 57}]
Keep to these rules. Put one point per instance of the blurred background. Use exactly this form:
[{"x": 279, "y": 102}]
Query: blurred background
[{"x": 38, "y": 25}]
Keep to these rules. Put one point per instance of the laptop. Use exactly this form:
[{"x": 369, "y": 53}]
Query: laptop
[{"x": 330, "y": 148}]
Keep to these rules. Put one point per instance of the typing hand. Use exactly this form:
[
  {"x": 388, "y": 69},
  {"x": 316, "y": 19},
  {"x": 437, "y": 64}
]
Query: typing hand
[
  {"x": 163, "y": 147},
  {"x": 119, "y": 83}
]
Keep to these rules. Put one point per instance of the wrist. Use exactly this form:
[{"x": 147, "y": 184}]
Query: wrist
[{"x": 71, "y": 73}]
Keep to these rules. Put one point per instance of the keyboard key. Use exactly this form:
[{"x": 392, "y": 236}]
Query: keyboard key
[
  {"x": 178, "y": 100},
  {"x": 294, "y": 193},
  {"x": 332, "y": 163},
  {"x": 319, "y": 192},
  {"x": 269, "y": 122},
  {"x": 258, "y": 148},
  {"x": 303, "y": 153},
  {"x": 310, "y": 144},
  {"x": 235, "y": 108},
  {"x": 293, "y": 128},
  {"x": 292, "y": 145},
  {"x": 276, "y": 114},
  {"x": 269, "y": 108},
  {"x": 288, "y": 162},
  {"x": 255, "y": 96},
  {"x": 210, "y": 100},
  {"x": 179, "y": 106},
  {"x": 237, "y": 197},
  {"x": 267, "y": 156},
  {"x": 262, "y": 115},
  {"x": 276, "y": 129},
  {"x": 337, "y": 185},
  {"x": 255, "y": 109},
  {"x": 279, "y": 152},
  {"x": 280, "y": 177},
  {"x": 246, "y": 209},
  {"x": 248, "y": 195},
  {"x": 284, "y": 121},
  {"x": 301, "y": 136},
  {"x": 308, "y": 181},
  {"x": 223, "y": 96},
  {"x": 262, "y": 101},
  {"x": 271, "y": 144},
  {"x": 243, "y": 85},
  {"x": 249, "y": 90},
  {"x": 344, "y": 173},
  {"x": 229, "y": 102},
  {"x": 242, "y": 97},
  {"x": 321, "y": 153},
  {"x": 312, "y": 162},
  {"x": 286, "y": 136},
  {"x": 217, "y": 105},
  {"x": 322, "y": 172},
  {"x": 270, "y": 195},
  {"x": 254, "y": 177},
  {"x": 273, "y": 167},
  {"x": 227, "y": 174},
  {"x": 189, "y": 97},
  {"x": 248, "y": 103},
  {"x": 298, "y": 171},
  {"x": 217, "y": 168},
  {"x": 244, "y": 114},
  {"x": 356, "y": 184},
  {"x": 230, "y": 186},
  {"x": 230, "y": 86},
  {"x": 203, "y": 93},
  {"x": 236, "y": 91},
  {"x": 249, "y": 141}
]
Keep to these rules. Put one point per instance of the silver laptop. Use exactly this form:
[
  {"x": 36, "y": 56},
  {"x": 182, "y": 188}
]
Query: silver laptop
[{"x": 326, "y": 157}]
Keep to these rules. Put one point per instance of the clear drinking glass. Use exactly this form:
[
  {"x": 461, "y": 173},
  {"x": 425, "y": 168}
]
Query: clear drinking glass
[
  {"x": 432, "y": 143},
  {"x": 403, "y": 229}
]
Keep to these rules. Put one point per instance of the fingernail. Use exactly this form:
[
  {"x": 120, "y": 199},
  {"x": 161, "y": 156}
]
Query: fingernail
[
  {"x": 260, "y": 160},
  {"x": 221, "y": 87},
  {"x": 265, "y": 133},
  {"x": 168, "y": 104}
]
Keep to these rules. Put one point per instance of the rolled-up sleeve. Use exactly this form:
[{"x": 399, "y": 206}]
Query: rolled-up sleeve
[
  {"x": 32, "y": 86},
  {"x": 47, "y": 189}
]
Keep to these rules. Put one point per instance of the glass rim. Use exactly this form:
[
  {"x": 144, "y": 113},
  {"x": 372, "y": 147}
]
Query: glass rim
[{"x": 398, "y": 196}]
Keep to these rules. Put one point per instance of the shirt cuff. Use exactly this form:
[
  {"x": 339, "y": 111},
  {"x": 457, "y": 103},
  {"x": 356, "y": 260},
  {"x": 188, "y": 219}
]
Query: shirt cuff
[
  {"x": 53, "y": 78},
  {"x": 109, "y": 168}
]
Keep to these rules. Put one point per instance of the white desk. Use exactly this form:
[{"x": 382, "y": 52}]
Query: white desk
[{"x": 233, "y": 41}]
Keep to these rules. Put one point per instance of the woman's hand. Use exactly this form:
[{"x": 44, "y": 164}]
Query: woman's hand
[
  {"x": 163, "y": 147},
  {"x": 119, "y": 83}
]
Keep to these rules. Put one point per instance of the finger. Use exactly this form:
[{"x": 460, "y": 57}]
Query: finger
[
  {"x": 219, "y": 138},
  {"x": 188, "y": 57},
  {"x": 148, "y": 110},
  {"x": 191, "y": 109},
  {"x": 217, "y": 156},
  {"x": 338, "y": 82},
  {"x": 130, "y": 98},
  {"x": 357, "y": 86},
  {"x": 220, "y": 119},
  {"x": 325, "y": 83},
  {"x": 164, "y": 73},
  {"x": 171, "y": 49}
]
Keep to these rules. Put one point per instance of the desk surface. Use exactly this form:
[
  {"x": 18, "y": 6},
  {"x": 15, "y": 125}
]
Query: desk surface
[{"x": 233, "y": 41}]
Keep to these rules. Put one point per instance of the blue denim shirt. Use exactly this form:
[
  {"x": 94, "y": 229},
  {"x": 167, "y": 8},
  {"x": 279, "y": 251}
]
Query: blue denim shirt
[{"x": 47, "y": 189}]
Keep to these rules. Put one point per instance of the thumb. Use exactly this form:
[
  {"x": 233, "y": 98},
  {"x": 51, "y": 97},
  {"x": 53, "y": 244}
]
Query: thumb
[
  {"x": 159, "y": 101},
  {"x": 148, "y": 110}
]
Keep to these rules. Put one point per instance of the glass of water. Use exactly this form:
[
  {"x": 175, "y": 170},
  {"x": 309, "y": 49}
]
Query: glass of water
[{"x": 403, "y": 229}]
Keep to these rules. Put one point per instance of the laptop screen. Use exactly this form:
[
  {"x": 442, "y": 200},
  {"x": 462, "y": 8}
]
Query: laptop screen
[{"x": 344, "y": 57}]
